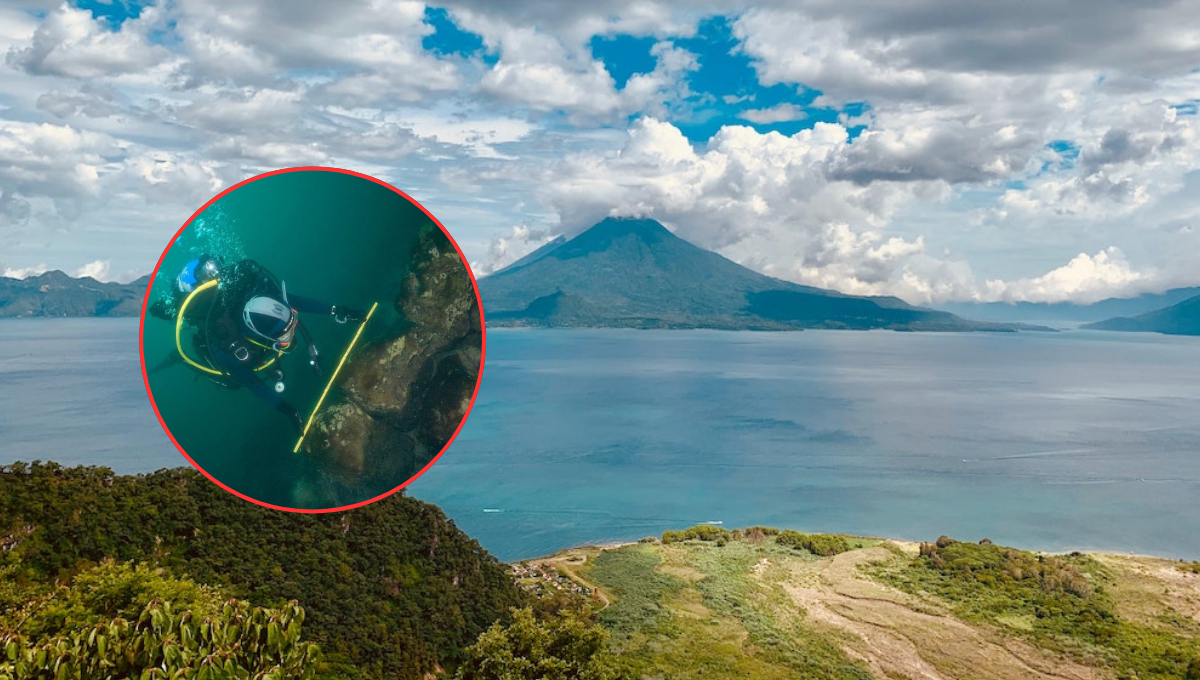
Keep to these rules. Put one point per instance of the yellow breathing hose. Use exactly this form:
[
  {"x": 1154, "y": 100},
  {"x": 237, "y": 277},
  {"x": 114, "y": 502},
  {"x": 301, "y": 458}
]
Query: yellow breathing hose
[
  {"x": 179, "y": 326},
  {"x": 179, "y": 331},
  {"x": 332, "y": 378}
]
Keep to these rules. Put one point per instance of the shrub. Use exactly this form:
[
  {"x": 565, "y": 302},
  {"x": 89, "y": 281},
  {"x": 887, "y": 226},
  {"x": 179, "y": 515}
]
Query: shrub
[
  {"x": 240, "y": 641},
  {"x": 700, "y": 532},
  {"x": 1064, "y": 598},
  {"x": 825, "y": 545},
  {"x": 568, "y": 647}
]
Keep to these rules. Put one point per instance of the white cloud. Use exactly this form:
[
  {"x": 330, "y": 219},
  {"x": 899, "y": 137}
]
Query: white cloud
[
  {"x": 58, "y": 161},
  {"x": 1130, "y": 155},
  {"x": 69, "y": 42},
  {"x": 557, "y": 72},
  {"x": 510, "y": 247},
  {"x": 24, "y": 272},
  {"x": 974, "y": 96},
  {"x": 922, "y": 52},
  {"x": 763, "y": 199},
  {"x": 97, "y": 269},
  {"x": 109, "y": 131},
  {"x": 780, "y": 113},
  {"x": 1086, "y": 278},
  {"x": 549, "y": 86},
  {"x": 479, "y": 134},
  {"x": 242, "y": 110},
  {"x": 576, "y": 23},
  {"x": 371, "y": 48}
]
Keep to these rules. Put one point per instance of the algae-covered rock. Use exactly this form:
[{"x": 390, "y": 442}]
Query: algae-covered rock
[{"x": 401, "y": 398}]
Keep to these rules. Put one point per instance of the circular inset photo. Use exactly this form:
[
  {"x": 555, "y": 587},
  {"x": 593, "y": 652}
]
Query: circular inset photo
[{"x": 312, "y": 340}]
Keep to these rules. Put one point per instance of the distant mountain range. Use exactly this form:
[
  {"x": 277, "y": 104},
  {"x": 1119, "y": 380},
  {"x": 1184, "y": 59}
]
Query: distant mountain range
[
  {"x": 1069, "y": 313},
  {"x": 57, "y": 294},
  {"x": 627, "y": 273},
  {"x": 1182, "y": 318},
  {"x": 632, "y": 273}
]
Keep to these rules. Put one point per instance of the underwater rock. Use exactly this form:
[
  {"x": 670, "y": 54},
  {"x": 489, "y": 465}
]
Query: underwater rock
[{"x": 400, "y": 399}]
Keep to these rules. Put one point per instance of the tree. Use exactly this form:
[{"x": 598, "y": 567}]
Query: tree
[
  {"x": 107, "y": 591},
  {"x": 567, "y": 648},
  {"x": 240, "y": 642},
  {"x": 390, "y": 590},
  {"x": 124, "y": 620}
]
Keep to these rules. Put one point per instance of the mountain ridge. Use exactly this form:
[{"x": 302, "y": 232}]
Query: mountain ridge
[
  {"x": 57, "y": 294},
  {"x": 635, "y": 273},
  {"x": 1181, "y": 318},
  {"x": 1069, "y": 312}
]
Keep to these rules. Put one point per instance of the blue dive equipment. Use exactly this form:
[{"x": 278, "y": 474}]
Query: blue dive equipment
[{"x": 197, "y": 272}]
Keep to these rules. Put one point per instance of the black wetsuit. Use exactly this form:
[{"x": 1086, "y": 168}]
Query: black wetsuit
[
  {"x": 228, "y": 338},
  {"x": 222, "y": 337}
]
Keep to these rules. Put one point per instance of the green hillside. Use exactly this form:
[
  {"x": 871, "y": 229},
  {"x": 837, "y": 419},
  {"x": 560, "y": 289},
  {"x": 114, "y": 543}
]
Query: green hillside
[
  {"x": 1178, "y": 319},
  {"x": 390, "y": 590}
]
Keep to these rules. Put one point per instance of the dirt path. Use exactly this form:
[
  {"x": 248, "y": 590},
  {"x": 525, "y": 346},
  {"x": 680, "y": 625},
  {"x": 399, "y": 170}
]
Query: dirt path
[
  {"x": 899, "y": 636},
  {"x": 567, "y": 563}
]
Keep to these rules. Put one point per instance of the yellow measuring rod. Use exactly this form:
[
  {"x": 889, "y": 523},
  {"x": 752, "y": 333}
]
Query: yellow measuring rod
[{"x": 333, "y": 377}]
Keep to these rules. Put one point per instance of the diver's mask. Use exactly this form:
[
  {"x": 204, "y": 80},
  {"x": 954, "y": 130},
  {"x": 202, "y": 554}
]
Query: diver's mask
[
  {"x": 284, "y": 342},
  {"x": 272, "y": 321}
]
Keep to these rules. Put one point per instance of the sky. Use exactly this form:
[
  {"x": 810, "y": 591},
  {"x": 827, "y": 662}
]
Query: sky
[{"x": 935, "y": 151}]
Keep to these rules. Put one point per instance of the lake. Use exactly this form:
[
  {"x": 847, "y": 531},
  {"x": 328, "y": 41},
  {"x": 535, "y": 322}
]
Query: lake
[{"x": 1049, "y": 441}]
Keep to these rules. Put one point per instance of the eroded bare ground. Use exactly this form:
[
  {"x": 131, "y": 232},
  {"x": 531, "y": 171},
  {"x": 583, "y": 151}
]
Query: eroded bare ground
[
  {"x": 901, "y": 636},
  {"x": 1148, "y": 587}
]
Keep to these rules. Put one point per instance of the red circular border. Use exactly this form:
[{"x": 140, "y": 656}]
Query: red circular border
[{"x": 146, "y": 302}]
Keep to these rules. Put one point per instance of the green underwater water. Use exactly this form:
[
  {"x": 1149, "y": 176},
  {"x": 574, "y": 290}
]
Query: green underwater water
[{"x": 339, "y": 238}]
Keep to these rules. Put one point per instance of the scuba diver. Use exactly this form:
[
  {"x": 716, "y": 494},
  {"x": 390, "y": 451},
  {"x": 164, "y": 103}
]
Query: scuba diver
[{"x": 245, "y": 322}]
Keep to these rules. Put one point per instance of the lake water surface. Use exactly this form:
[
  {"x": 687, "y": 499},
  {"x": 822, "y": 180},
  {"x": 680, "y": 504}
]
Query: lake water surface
[{"x": 1044, "y": 441}]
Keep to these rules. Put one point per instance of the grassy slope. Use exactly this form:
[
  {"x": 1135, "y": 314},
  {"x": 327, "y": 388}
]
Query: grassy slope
[{"x": 693, "y": 609}]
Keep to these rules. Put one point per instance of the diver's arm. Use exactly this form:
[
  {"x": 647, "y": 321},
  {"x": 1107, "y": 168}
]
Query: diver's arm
[
  {"x": 292, "y": 414},
  {"x": 161, "y": 309},
  {"x": 314, "y": 355},
  {"x": 309, "y": 305}
]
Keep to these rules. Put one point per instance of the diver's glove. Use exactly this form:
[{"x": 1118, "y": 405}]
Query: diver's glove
[
  {"x": 290, "y": 411},
  {"x": 314, "y": 359},
  {"x": 342, "y": 314},
  {"x": 164, "y": 309}
]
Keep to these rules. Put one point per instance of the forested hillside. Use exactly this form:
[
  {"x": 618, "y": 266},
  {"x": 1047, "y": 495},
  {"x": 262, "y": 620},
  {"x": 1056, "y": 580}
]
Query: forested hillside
[{"x": 391, "y": 590}]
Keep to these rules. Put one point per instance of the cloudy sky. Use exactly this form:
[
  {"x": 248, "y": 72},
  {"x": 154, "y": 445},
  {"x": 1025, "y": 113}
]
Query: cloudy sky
[{"x": 931, "y": 150}]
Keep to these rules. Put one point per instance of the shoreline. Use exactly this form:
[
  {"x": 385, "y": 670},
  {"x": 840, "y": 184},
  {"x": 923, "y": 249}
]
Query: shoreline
[
  {"x": 906, "y": 545},
  {"x": 612, "y": 543}
]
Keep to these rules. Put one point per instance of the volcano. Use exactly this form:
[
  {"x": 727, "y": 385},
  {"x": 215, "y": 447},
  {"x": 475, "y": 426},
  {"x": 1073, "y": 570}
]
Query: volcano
[{"x": 634, "y": 273}]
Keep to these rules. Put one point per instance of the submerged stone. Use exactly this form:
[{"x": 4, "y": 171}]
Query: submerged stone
[{"x": 401, "y": 398}]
